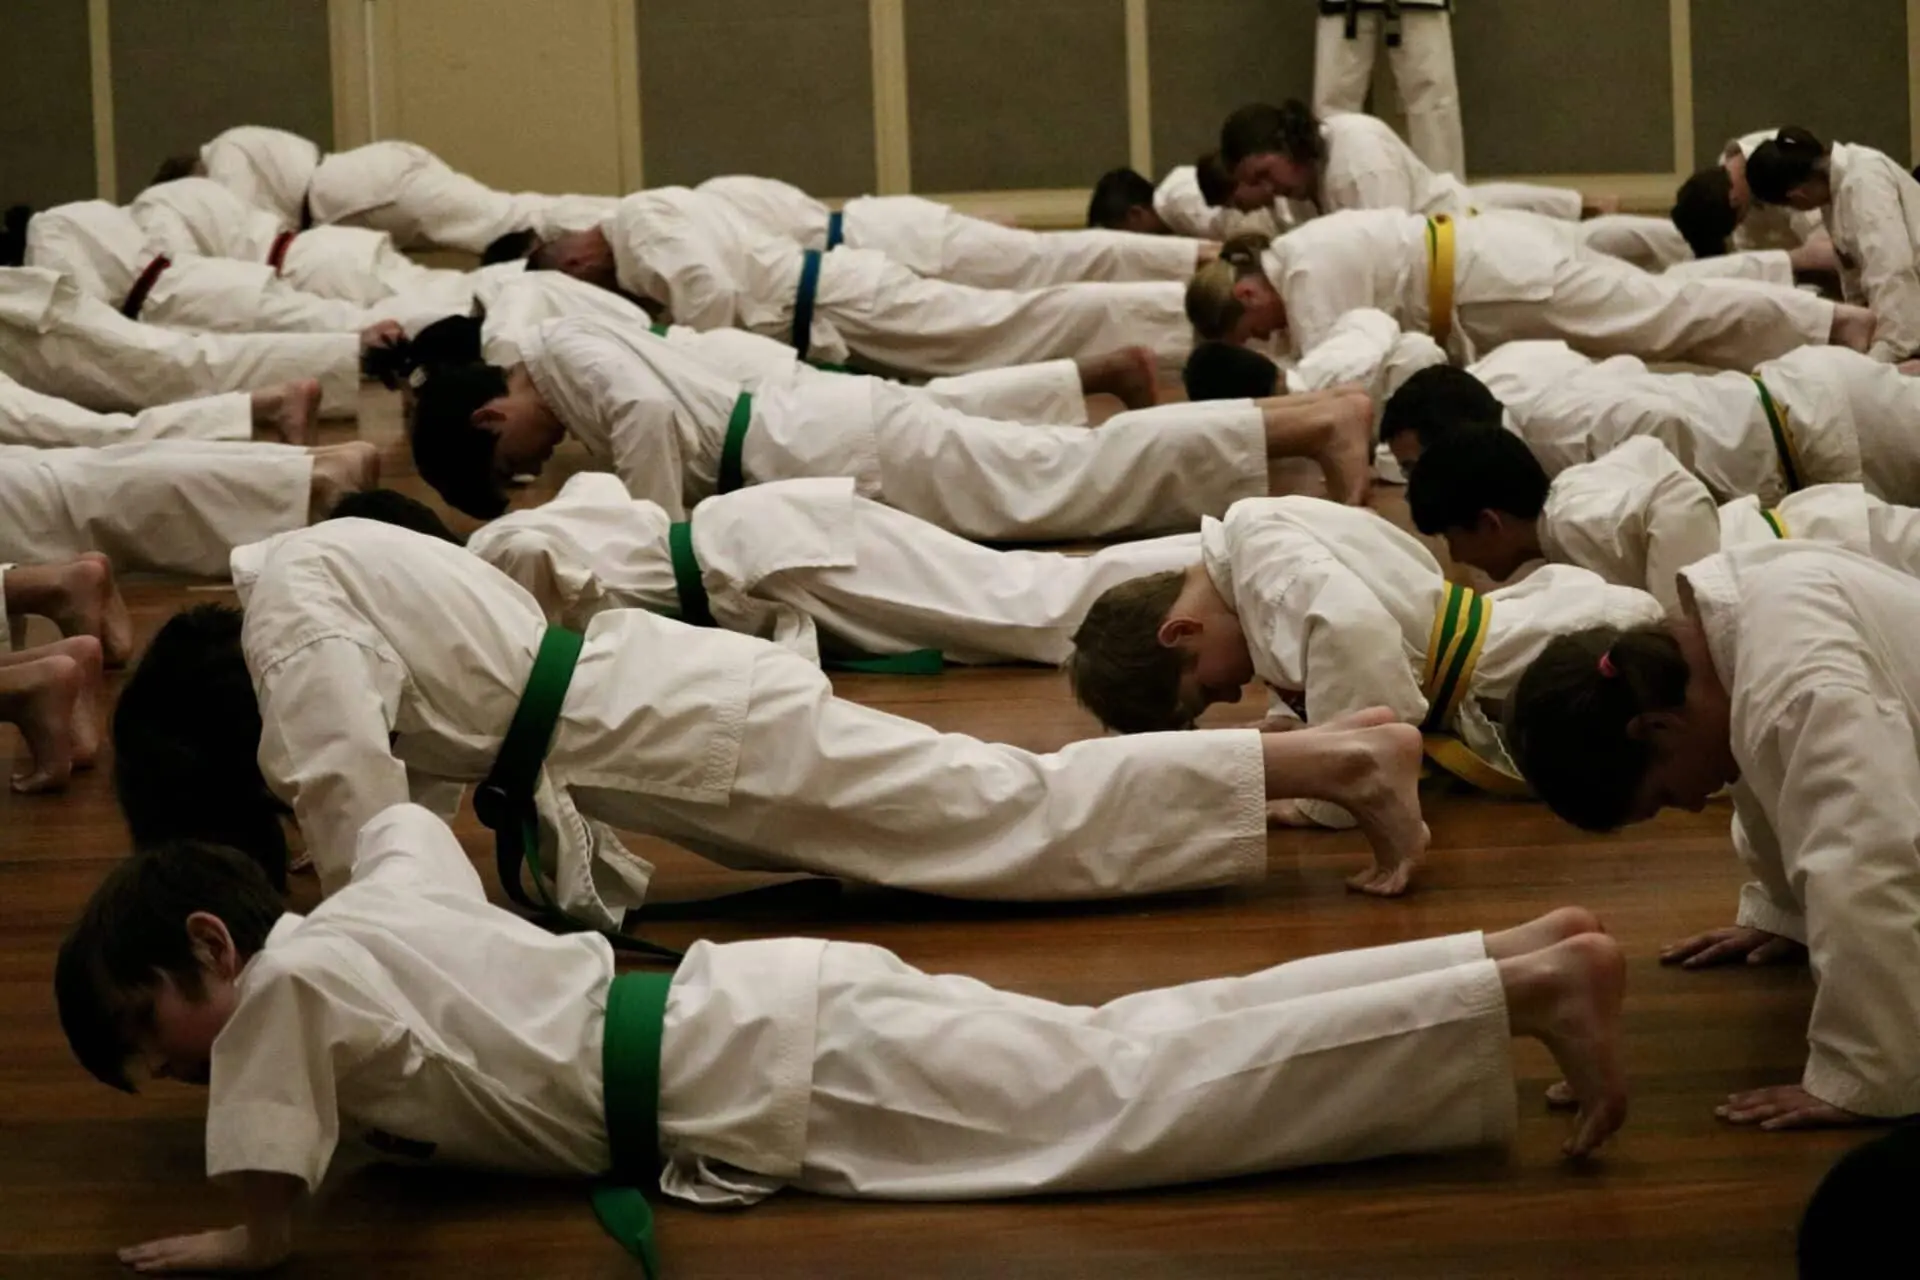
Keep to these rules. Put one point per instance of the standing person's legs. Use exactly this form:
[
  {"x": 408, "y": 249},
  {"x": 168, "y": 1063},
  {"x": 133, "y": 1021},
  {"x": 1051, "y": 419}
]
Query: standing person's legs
[
  {"x": 1191, "y": 1083},
  {"x": 1605, "y": 307},
  {"x": 1343, "y": 68},
  {"x": 1423, "y": 70}
]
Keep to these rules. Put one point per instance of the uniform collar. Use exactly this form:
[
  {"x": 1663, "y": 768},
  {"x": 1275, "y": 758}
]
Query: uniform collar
[{"x": 1716, "y": 595}]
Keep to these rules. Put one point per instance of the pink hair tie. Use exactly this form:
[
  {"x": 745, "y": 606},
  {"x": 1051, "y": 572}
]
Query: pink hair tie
[{"x": 1606, "y": 665}]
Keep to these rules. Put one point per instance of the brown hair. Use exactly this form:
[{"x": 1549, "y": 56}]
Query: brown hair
[
  {"x": 1212, "y": 307},
  {"x": 1119, "y": 670},
  {"x": 1567, "y": 722}
]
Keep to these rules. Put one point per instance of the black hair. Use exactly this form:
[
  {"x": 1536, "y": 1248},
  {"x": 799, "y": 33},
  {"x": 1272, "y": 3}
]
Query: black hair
[
  {"x": 134, "y": 928},
  {"x": 1566, "y": 723},
  {"x": 449, "y": 451},
  {"x": 13, "y": 235},
  {"x": 511, "y": 247},
  {"x": 390, "y": 506},
  {"x": 1782, "y": 163},
  {"x": 446, "y": 343},
  {"x": 1477, "y": 469},
  {"x": 544, "y": 256},
  {"x": 1854, "y": 1227},
  {"x": 1118, "y": 192},
  {"x": 1436, "y": 400},
  {"x": 1290, "y": 129},
  {"x": 1703, "y": 211},
  {"x": 174, "y": 168},
  {"x": 1216, "y": 180},
  {"x": 186, "y": 743},
  {"x": 1221, "y": 371}
]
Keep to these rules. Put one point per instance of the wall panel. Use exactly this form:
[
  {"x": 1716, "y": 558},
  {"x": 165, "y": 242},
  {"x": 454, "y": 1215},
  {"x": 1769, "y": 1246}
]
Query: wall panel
[
  {"x": 46, "y": 104},
  {"x": 1015, "y": 94},
  {"x": 1759, "y": 64},
  {"x": 183, "y": 70},
  {"x": 1210, "y": 56},
  {"x": 744, "y": 86}
]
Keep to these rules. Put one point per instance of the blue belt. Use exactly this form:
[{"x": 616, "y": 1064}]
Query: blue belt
[
  {"x": 836, "y": 231},
  {"x": 803, "y": 302}
]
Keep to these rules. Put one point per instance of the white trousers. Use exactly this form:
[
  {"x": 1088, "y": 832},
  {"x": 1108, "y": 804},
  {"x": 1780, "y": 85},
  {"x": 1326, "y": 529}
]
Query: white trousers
[
  {"x": 1604, "y": 307},
  {"x": 219, "y": 295},
  {"x": 933, "y": 327},
  {"x": 1422, "y": 71},
  {"x": 1049, "y": 393},
  {"x": 1150, "y": 470},
  {"x": 1563, "y": 204},
  {"x": 419, "y": 200},
  {"x": 831, "y": 787},
  {"x": 1339, "y": 1057},
  {"x": 915, "y": 586},
  {"x": 933, "y": 239},
  {"x": 1885, "y": 406},
  {"x": 1652, "y": 244},
  {"x": 354, "y": 264},
  {"x": 90, "y": 354},
  {"x": 48, "y": 422},
  {"x": 172, "y": 506}
]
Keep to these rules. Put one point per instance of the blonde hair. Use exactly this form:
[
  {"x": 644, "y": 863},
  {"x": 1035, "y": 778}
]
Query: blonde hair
[
  {"x": 1212, "y": 307},
  {"x": 1119, "y": 670}
]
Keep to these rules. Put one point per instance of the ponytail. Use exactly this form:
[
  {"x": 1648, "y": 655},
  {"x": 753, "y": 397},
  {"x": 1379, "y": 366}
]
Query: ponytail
[
  {"x": 1782, "y": 163},
  {"x": 1212, "y": 306},
  {"x": 1291, "y": 129},
  {"x": 13, "y": 236},
  {"x": 1568, "y": 720}
]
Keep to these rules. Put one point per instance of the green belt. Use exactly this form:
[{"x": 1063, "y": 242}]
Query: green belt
[
  {"x": 836, "y": 231},
  {"x": 1775, "y": 522},
  {"x": 630, "y": 1063},
  {"x": 1782, "y": 437},
  {"x": 659, "y": 328},
  {"x": 803, "y": 301},
  {"x": 697, "y": 609},
  {"x": 732, "y": 475}
]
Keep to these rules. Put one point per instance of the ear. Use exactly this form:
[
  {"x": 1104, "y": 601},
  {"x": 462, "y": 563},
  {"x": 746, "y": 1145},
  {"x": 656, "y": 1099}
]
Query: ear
[
  {"x": 490, "y": 416},
  {"x": 1651, "y": 727},
  {"x": 1489, "y": 522},
  {"x": 213, "y": 945},
  {"x": 1178, "y": 627}
]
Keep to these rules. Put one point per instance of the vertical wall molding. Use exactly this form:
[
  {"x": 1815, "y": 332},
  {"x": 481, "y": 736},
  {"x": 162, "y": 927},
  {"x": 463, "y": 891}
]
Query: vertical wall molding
[
  {"x": 892, "y": 141},
  {"x": 106, "y": 179},
  {"x": 1913, "y": 78},
  {"x": 1140, "y": 89},
  {"x": 626, "y": 76},
  {"x": 352, "y": 89},
  {"x": 1680, "y": 25}
]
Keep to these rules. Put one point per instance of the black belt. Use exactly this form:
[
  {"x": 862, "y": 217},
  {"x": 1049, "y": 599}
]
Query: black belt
[{"x": 137, "y": 296}]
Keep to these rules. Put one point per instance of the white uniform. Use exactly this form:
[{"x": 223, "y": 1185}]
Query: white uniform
[
  {"x": 1814, "y": 645},
  {"x": 1422, "y": 71},
  {"x": 60, "y": 342},
  {"x": 1874, "y": 219},
  {"x": 658, "y": 418},
  {"x": 937, "y": 241},
  {"x": 1049, "y": 392},
  {"x": 381, "y": 655},
  {"x": 1848, "y": 417},
  {"x": 1769, "y": 226},
  {"x": 1845, "y": 515},
  {"x": 777, "y": 559},
  {"x": 104, "y": 251},
  {"x": 352, "y": 264},
  {"x": 1517, "y": 278},
  {"x": 826, "y": 1066},
  {"x": 1367, "y": 166},
  {"x": 48, "y": 422},
  {"x": 172, "y": 506},
  {"x": 1339, "y": 605},
  {"x": 700, "y": 259},
  {"x": 1186, "y": 212},
  {"x": 396, "y": 187}
]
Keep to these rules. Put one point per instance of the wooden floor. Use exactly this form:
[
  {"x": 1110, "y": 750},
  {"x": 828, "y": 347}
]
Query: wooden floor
[{"x": 83, "y": 1170}]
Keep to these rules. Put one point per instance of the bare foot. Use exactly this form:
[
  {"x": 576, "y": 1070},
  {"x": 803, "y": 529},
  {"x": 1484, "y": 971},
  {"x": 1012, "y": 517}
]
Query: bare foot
[
  {"x": 1130, "y": 374},
  {"x": 1384, "y": 799},
  {"x": 288, "y": 413},
  {"x": 39, "y": 696},
  {"x": 85, "y": 652},
  {"x": 1542, "y": 932},
  {"x": 1910, "y": 367},
  {"x": 1568, "y": 997},
  {"x": 339, "y": 470},
  {"x": 85, "y": 601},
  {"x": 1852, "y": 327},
  {"x": 1347, "y": 456}
]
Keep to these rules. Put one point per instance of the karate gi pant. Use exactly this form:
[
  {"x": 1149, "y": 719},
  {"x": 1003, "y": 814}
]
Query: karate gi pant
[
  {"x": 1342, "y": 1057},
  {"x": 419, "y": 200},
  {"x": 47, "y": 422},
  {"x": 87, "y": 352},
  {"x": 214, "y": 295},
  {"x": 1562, "y": 204},
  {"x": 940, "y": 242},
  {"x": 915, "y": 586},
  {"x": 1422, "y": 71},
  {"x": 1605, "y": 307},
  {"x": 172, "y": 506},
  {"x": 1149, "y": 470},
  {"x": 933, "y": 327},
  {"x": 354, "y": 264},
  {"x": 1652, "y": 244},
  {"x": 827, "y": 786},
  {"x": 1049, "y": 394}
]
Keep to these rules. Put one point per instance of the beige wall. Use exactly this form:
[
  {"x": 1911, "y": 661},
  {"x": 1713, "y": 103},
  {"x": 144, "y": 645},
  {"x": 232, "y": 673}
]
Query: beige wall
[{"x": 1011, "y": 105}]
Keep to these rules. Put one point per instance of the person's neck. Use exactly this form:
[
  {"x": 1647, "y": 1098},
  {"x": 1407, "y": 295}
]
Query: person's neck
[
  {"x": 1706, "y": 691},
  {"x": 1199, "y": 597},
  {"x": 1526, "y": 533}
]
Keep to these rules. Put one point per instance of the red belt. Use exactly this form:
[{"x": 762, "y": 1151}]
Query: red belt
[
  {"x": 137, "y": 296},
  {"x": 277, "y": 255}
]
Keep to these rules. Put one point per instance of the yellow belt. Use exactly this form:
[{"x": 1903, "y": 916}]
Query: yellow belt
[
  {"x": 1453, "y": 651},
  {"x": 1783, "y": 445},
  {"x": 1440, "y": 277},
  {"x": 1776, "y": 522}
]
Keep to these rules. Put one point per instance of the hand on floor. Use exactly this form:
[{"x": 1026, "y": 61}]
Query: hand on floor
[
  {"x": 1725, "y": 946},
  {"x": 206, "y": 1251},
  {"x": 1786, "y": 1106}
]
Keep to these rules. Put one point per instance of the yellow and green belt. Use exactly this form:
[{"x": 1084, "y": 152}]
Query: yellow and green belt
[
  {"x": 1453, "y": 652},
  {"x": 1440, "y": 269}
]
